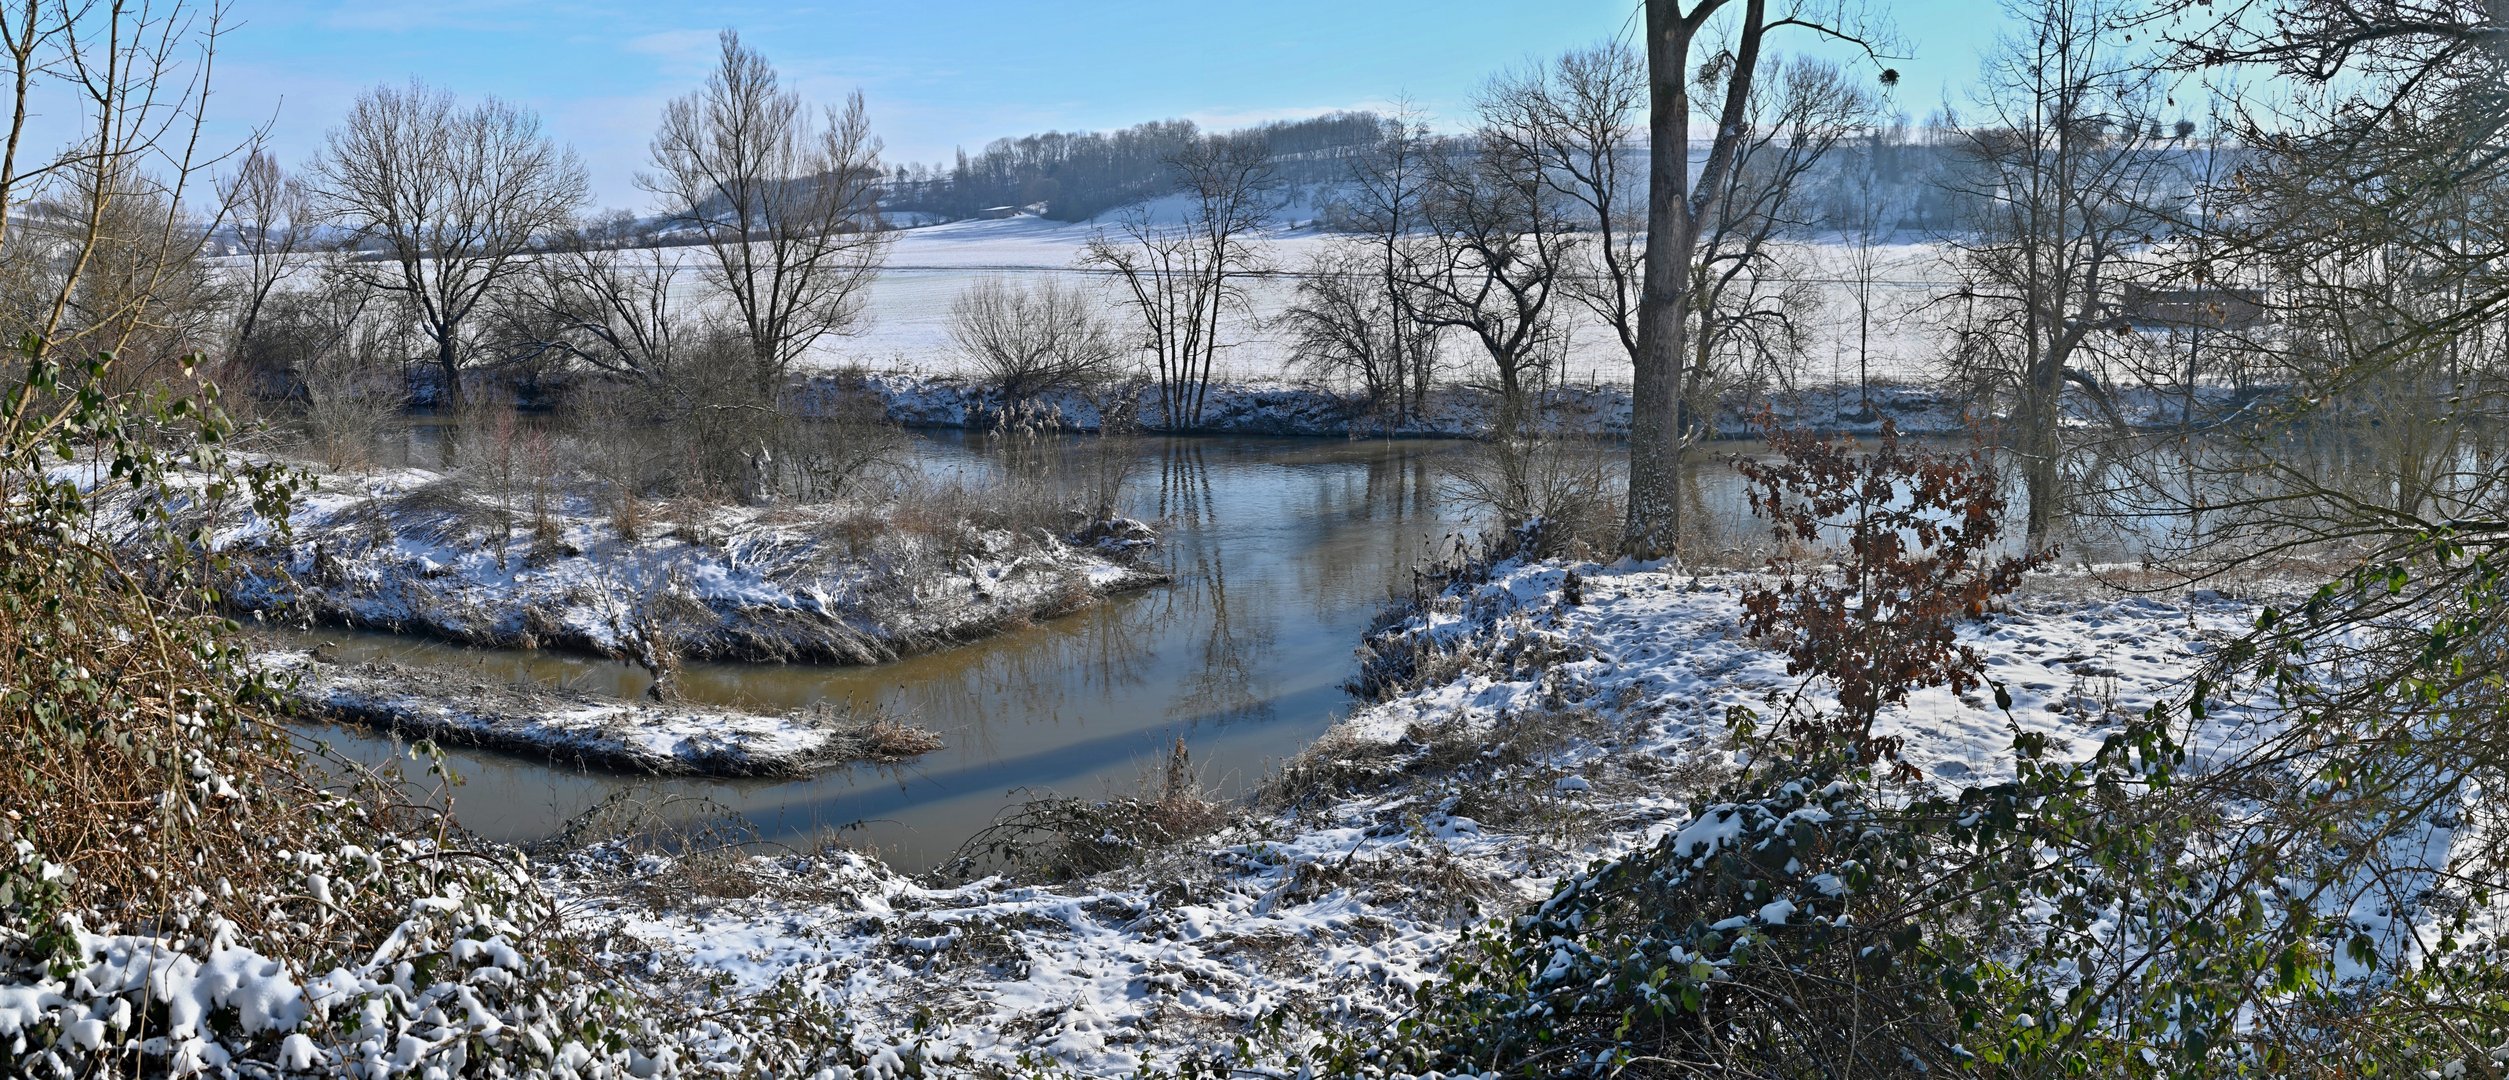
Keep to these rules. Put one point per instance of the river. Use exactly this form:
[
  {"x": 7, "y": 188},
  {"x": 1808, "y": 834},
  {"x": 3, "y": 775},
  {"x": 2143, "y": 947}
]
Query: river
[{"x": 1283, "y": 550}]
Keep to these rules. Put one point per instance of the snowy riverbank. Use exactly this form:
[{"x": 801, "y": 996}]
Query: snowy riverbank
[
  {"x": 1524, "y": 737},
  {"x": 1276, "y": 407},
  {"x": 416, "y": 551},
  {"x": 590, "y": 730}
]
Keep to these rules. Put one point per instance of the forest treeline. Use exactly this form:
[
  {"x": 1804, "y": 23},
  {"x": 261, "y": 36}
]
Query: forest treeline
[{"x": 1077, "y": 176}]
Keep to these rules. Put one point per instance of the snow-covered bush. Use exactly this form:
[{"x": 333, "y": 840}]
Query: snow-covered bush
[{"x": 2289, "y": 871}]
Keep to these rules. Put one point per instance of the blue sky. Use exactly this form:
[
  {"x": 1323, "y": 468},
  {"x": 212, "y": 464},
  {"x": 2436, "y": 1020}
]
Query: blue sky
[{"x": 945, "y": 73}]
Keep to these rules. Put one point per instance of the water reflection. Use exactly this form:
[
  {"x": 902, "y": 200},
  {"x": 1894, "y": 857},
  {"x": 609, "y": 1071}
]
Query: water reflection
[
  {"x": 1282, "y": 550},
  {"x": 2295, "y": 489}
]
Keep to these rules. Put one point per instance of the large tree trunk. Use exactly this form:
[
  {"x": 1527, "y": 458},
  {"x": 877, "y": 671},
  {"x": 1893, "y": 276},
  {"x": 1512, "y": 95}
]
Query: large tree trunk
[
  {"x": 1673, "y": 216},
  {"x": 449, "y": 366},
  {"x": 1663, "y": 298},
  {"x": 2042, "y": 448}
]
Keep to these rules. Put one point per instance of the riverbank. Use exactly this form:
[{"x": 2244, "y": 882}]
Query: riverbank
[
  {"x": 592, "y": 731},
  {"x": 1528, "y": 729},
  {"x": 418, "y": 551},
  {"x": 1281, "y": 407}
]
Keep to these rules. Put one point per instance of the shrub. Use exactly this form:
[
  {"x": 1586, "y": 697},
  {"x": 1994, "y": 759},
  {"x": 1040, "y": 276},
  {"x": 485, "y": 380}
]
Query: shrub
[
  {"x": 181, "y": 892},
  {"x": 709, "y": 433},
  {"x": 1548, "y": 486},
  {"x": 1913, "y": 536},
  {"x": 1056, "y": 838},
  {"x": 1026, "y": 340}
]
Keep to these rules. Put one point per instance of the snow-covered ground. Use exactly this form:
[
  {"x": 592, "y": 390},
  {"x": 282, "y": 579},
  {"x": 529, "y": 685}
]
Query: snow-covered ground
[
  {"x": 1534, "y": 736},
  {"x": 907, "y": 308},
  {"x": 590, "y": 730},
  {"x": 416, "y": 550},
  {"x": 1281, "y": 407}
]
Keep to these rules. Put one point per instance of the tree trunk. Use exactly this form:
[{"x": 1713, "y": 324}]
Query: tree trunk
[
  {"x": 2041, "y": 448},
  {"x": 449, "y": 364},
  {"x": 1663, "y": 296},
  {"x": 1673, "y": 217}
]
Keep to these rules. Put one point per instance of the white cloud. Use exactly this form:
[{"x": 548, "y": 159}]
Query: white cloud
[{"x": 682, "y": 52}]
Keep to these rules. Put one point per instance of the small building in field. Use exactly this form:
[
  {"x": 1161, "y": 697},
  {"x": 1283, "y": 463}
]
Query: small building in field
[
  {"x": 997, "y": 213},
  {"x": 2183, "y": 309}
]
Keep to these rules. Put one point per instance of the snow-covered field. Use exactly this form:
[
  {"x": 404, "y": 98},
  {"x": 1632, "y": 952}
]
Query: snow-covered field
[
  {"x": 1537, "y": 735},
  {"x": 907, "y": 308}
]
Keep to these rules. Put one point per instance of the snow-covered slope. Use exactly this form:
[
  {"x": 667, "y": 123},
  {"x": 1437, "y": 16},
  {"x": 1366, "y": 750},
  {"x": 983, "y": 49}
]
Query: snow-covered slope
[{"x": 1538, "y": 736}]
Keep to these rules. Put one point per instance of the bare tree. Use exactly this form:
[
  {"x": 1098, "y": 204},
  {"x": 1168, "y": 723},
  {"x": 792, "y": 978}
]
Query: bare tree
[
  {"x": 590, "y": 303},
  {"x": 1028, "y": 340},
  {"x": 1347, "y": 322},
  {"x": 1677, "y": 211},
  {"x": 1749, "y": 309},
  {"x": 143, "y": 291},
  {"x": 1494, "y": 245},
  {"x": 1869, "y": 211},
  {"x": 1574, "y": 123},
  {"x": 1383, "y": 207},
  {"x": 785, "y": 198},
  {"x": 339, "y": 340},
  {"x": 270, "y": 212},
  {"x": 1185, "y": 278},
  {"x": 448, "y": 199},
  {"x": 2069, "y": 172}
]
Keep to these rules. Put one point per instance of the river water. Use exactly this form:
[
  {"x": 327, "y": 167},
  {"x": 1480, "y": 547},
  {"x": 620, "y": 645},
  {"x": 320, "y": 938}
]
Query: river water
[{"x": 1283, "y": 550}]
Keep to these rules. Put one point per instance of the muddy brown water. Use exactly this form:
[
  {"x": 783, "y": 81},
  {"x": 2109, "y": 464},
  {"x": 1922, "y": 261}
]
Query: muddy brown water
[{"x": 1283, "y": 550}]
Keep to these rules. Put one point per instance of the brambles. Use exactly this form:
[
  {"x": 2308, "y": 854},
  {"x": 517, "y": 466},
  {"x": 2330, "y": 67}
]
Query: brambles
[{"x": 1914, "y": 534}]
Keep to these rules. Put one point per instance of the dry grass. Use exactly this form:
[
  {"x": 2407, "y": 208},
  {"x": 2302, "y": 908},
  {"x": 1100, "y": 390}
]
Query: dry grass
[
  {"x": 1055, "y": 838},
  {"x": 443, "y": 511},
  {"x": 881, "y": 737},
  {"x": 149, "y": 767}
]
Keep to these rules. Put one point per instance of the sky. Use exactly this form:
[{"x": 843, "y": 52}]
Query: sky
[{"x": 943, "y": 74}]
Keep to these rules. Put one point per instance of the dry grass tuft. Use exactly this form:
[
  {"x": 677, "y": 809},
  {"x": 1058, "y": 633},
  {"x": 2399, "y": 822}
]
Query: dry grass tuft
[{"x": 1059, "y": 838}]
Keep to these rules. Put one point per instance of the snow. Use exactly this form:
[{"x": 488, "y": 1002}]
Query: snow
[
  {"x": 905, "y": 324},
  {"x": 411, "y": 549},
  {"x": 1350, "y": 905},
  {"x": 906, "y": 307},
  {"x": 587, "y": 729}
]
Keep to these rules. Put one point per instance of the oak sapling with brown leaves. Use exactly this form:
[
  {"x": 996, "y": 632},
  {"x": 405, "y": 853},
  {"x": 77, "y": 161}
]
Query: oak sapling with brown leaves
[{"x": 1903, "y": 547}]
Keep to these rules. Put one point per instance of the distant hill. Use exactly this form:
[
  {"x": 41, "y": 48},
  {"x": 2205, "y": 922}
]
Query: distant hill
[
  {"x": 1078, "y": 176},
  {"x": 1075, "y": 176}
]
